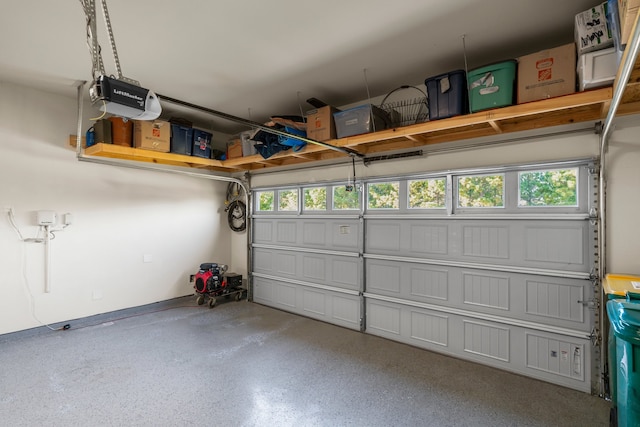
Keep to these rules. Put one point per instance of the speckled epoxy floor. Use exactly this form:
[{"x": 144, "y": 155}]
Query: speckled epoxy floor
[{"x": 243, "y": 364}]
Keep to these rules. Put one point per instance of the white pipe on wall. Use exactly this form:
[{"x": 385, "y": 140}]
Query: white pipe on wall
[{"x": 47, "y": 259}]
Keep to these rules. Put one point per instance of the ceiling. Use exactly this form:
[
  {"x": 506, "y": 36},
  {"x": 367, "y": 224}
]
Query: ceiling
[{"x": 255, "y": 58}]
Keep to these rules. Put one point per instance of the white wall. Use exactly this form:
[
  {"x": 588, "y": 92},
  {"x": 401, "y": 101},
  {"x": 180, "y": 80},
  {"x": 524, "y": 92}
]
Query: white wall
[
  {"x": 623, "y": 197},
  {"x": 623, "y": 237},
  {"x": 120, "y": 215}
]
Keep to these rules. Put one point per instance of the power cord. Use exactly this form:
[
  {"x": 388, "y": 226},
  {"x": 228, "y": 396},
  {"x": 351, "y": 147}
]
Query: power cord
[{"x": 68, "y": 326}]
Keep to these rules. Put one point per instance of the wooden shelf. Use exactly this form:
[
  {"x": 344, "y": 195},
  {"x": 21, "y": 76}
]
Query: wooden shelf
[{"x": 575, "y": 108}]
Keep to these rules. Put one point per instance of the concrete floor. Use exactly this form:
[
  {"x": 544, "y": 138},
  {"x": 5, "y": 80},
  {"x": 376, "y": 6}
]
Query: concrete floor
[{"x": 243, "y": 364}]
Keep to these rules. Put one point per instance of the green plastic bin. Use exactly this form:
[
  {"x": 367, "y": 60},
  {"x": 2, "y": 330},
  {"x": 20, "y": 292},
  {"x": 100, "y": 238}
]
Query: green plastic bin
[
  {"x": 624, "y": 359},
  {"x": 492, "y": 86},
  {"x": 616, "y": 286}
]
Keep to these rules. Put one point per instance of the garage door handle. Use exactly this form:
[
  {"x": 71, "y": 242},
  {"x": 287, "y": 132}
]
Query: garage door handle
[{"x": 592, "y": 303}]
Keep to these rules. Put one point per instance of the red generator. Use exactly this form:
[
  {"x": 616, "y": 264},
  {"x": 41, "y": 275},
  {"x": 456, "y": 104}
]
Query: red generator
[{"x": 210, "y": 282}]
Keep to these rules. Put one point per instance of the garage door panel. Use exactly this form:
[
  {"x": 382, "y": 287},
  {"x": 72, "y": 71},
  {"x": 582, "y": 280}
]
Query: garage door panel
[
  {"x": 384, "y": 237},
  {"x": 314, "y": 233},
  {"x": 345, "y": 235},
  {"x": 430, "y": 328},
  {"x": 537, "y": 354},
  {"x": 428, "y": 239},
  {"x": 486, "y": 340},
  {"x": 262, "y": 231},
  {"x": 333, "y": 234},
  {"x": 285, "y": 263},
  {"x": 313, "y": 301},
  {"x": 322, "y": 304},
  {"x": 555, "y": 356},
  {"x": 486, "y": 290},
  {"x": 485, "y": 241},
  {"x": 384, "y": 318},
  {"x": 262, "y": 260},
  {"x": 337, "y": 271},
  {"x": 314, "y": 268},
  {"x": 346, "y": 309},
  {"x": 546, "y": 300},
  {"x": 554, "y": 299},
  {"x": 285, "y": 294},
  {"x": 553, "y": 244},
  {"x": 286, "y": 232},
  {"x": 429, "y": 282}
]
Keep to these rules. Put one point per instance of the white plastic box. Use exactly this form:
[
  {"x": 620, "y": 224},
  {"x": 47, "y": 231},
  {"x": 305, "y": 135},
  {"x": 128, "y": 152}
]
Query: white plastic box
[{"x": 597, "y": 69}]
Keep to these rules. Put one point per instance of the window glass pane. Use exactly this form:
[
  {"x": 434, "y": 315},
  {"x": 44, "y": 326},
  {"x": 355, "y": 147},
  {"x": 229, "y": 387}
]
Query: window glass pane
[
  {"x": 384, "y": 195},
  {"x": 481, "y": 191},
  {"x": 288, "y": 200},
  {"x": 345, "y": 200},
  {"x": 315, "y": 199},
  {"x": 427, "y": 193},
  {"x": 265, "y": 201},
  {"x": 548, "y": 188}
]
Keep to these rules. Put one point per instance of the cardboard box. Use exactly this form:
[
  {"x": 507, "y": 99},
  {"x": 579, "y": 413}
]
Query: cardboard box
[
  {"x": 628, "y": 11},
  {"x": 121, "y": 131},
  {"x": 547, "y": 74},
  {"x": 102, "y": 131},
  {"x": 592, "y": 31},
  {"x": 234, "y": 149},
  {"x": 152, "y": 135},
  {"x": 320, "y": 123}
]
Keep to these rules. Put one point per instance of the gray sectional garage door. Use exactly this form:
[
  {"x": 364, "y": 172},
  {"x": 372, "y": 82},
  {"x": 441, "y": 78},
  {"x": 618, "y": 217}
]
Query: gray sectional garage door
[{"x": 491, "y": 265}]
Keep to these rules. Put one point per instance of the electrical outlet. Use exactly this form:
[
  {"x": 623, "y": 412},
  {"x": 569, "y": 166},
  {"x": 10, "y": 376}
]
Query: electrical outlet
[{"x": 68, "y": 219}]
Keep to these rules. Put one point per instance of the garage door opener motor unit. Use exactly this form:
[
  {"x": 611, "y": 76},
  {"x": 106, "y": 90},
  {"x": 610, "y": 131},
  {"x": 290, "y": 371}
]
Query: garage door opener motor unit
[{"x": 210, "y": 282}]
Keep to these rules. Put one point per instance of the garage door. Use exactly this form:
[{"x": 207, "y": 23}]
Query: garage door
[{"x": 491, "y": 265}]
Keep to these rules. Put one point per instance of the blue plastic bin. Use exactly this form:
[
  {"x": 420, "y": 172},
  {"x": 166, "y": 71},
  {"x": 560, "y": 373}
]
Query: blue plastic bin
[
  {"x": 447, "y": 95},
  {"x": 181, "y": 139},
  {"x": 201, "y": 144}
]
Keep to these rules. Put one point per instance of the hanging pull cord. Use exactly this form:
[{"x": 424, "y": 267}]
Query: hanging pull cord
[{"x": 353, "y": 160}]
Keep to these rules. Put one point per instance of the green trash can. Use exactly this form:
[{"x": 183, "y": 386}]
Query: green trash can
[
  {"x": 616, "y": 286},
  {"x": 624, "y": 359}
]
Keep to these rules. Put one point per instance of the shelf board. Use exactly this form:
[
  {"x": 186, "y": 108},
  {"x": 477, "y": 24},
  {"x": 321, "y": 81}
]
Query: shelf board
[{"x": 140, "y": 155}]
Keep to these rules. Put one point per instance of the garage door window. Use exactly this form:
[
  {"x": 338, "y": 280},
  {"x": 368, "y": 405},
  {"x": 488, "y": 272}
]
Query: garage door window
[
  {"x": 384, "y": 195},
  {"x": 288, "y": 200},
  {"x": 315, "y": 199},
  {"x": 427, "y": 193},
  {"x": 481, "y": 191},
  {"x": 265, "y": 201},
  {"x": 345, "y": 200},
  {"x": 558, "y": 187}
]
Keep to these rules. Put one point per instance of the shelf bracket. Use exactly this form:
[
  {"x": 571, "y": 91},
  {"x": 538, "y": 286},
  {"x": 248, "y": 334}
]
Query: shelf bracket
[{"x": 495, "y": 126}]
